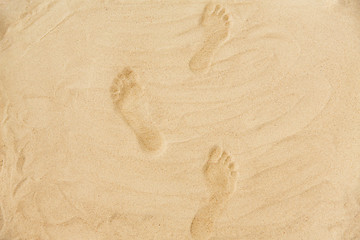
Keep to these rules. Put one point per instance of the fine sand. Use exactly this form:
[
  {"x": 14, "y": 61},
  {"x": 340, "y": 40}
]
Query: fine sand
[{"x": 180, "y": 120}]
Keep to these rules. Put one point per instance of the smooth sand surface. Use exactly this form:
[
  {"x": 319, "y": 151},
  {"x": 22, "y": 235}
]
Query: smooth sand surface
[{"x": 151, "y": 120}]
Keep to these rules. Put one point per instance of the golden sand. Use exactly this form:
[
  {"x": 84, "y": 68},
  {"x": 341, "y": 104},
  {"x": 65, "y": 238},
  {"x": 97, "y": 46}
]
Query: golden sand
[{"x": 175, "y": 120}]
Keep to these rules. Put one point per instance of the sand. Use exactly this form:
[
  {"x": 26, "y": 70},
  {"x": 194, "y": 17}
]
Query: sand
[{"x": 180, "y": 120}]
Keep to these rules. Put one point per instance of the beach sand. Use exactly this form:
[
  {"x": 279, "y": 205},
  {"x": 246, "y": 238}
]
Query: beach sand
[{"x": 175, "y": 120}]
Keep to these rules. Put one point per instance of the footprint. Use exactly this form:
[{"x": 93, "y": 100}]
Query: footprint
[
  {"x": 220, "y": 173},
  {"x": 129, "y": 99},
  {"x": 221, "y": 178},
  {"x": 217, "y": 25}
]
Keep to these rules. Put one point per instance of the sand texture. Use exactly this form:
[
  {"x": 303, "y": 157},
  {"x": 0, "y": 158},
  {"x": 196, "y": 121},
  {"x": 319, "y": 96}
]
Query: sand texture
[{"x": 180, "y": 120}]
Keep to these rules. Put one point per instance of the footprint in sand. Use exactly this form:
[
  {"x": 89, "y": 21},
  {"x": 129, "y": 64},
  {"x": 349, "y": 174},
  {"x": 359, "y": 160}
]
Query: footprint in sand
[
  {"x": 129, "y": 99},
  {"x": 217, "y": 24},
  {"x": 221, "y": 178}
]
